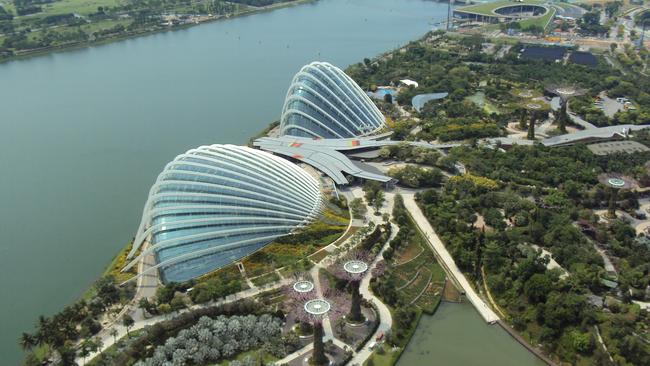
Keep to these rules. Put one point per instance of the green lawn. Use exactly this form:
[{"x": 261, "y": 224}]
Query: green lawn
[
  {"x": 388, "y": 358},
  {"x": 82, "y": 7},
  {"x": 104, "y": 24},
  {"x": 480, "y": 100},
  {"x": 542, "y": 21},
  {"x": 266, "y": 278},
  {"x": 488, "y": 8}
]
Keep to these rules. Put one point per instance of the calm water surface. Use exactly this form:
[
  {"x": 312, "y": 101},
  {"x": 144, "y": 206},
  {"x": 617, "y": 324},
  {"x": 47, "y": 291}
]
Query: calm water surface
[{"x": 457, "y": 336}]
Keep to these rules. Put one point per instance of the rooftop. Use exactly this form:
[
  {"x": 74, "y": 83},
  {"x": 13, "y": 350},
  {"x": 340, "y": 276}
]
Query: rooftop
[
  {"x": 613, "y": 147},
  {"x": 332, "y": 156},
  {"x": 489, "y": 8}
]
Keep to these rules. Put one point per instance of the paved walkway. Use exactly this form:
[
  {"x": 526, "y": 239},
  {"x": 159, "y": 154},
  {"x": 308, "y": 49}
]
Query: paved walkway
[
  {"x": 552, "y": 263},
  {"x": 385, "y": 317},
  {"x": 446, "y": 260}
]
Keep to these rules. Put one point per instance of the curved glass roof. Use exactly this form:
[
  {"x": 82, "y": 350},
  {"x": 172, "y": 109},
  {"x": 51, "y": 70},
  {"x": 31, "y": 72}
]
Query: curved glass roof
[
  {"x": 216, "y": 204},
  {"x": 324, "y": 102}
]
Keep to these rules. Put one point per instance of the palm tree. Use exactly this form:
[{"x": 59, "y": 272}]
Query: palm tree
[
  {"x": 98, "y": 344},
  {"x": 128, "y": 322},
  {"x": 114, "y": 334},
  {"x": 85, "y": 350},
  {"x": 27, "y": 341}
]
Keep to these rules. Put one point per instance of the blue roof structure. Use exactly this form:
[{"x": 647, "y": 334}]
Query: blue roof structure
[{"x": 420, "y": 100}]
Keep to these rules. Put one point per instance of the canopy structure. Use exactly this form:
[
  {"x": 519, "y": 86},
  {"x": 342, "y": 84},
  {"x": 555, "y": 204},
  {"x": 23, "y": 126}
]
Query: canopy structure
[{"x": 333, "y": 157}]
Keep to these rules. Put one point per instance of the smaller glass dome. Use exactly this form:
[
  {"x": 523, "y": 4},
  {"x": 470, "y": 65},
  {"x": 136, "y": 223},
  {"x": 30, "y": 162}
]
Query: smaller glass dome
[{"x": 323, "y": 102}]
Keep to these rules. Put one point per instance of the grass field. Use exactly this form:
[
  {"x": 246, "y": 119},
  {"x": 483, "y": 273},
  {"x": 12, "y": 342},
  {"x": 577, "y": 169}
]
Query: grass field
[
  {"x": 488, "y": 8},
  {"x": 82, "y": 7},
  {"x": 266, "y": 278},
  {"x": 542, "y": 21}
]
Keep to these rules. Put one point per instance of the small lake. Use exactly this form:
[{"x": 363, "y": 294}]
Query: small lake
[{"x": 456, "y": 335}]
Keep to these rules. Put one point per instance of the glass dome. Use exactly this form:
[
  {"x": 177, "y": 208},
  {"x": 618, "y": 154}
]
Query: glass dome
[
  {"x": 323, "y": 102},
  {"x": 216, "y": 204}
]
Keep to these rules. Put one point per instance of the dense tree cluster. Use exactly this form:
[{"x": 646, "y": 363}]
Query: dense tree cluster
[
  {"x": 548, "y": 167},
  {"x": 440, "y": 63},
  {"x": 590, "y": 24},
  {"x": 79, "y": 320},
  {"x": 374, "y": 194},
  {"x": 211, "y": 340},
  {"x": 259, "y": 2},
  {"x": 539, "y": 196},
  {"x": 417, "y": 177},
  {"x": 83, "y": 25}
]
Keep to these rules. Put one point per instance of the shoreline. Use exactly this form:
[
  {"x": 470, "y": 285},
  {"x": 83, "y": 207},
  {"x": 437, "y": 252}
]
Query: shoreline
[{"x": 122, "y": 37}]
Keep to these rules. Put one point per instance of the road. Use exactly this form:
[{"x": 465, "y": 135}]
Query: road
[{"x": 446, "y": 260}]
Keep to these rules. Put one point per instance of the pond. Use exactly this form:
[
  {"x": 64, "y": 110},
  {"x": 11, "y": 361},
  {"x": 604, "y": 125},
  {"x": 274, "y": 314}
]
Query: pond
[{"x": 456, "y": 335}]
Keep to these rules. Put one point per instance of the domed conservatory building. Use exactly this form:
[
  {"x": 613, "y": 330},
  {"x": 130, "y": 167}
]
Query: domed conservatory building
[
  {"x": 216, "y": 204},
  {"x": 324, "y": 102}
]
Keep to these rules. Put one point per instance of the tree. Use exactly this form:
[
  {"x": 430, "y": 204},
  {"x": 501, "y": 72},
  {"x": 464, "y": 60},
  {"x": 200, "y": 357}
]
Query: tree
[
  {"x": 128, "y": 322},
  {"x": 611, "y": 207},
  {"x": 537, "y": 287},
  {"x": 478, "y": 251},
  {"x": 563, "y": 309},
  {"x": 114, "y": 334},
  {"x": 67, "y": 354},
  {"x": 531, "y": 128},
  {"x": 88, "y": 346},
  {"x": 98, "y": 344},
  {"x": 27, "y": 341},
  {"x": 164, "y": 308},
  {"x": 145, "y": 305},
  {"x": 562, "y": 116},
  {"x": 522, "y": 119},
  {"x": 166, "y": 293},
  {"x": 358, "y": 208},
  {"x": 378, "y": 201},
  {"x": 178, "y": 302},
  {"x": 107, "y": 291}
]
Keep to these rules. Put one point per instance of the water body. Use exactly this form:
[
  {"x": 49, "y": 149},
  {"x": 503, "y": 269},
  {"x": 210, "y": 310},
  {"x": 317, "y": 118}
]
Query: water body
[
  {"x": 456, "y": 335},
  {"x": 84, "y": 133}
]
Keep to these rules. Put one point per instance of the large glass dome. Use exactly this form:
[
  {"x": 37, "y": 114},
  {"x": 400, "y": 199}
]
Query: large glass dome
[
  {"x": 216, "y": 204},
  {"x": 324, "y": 102}
]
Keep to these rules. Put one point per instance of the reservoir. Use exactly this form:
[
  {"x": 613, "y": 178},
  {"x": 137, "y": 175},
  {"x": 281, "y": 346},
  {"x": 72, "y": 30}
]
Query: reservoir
[
  {"x": 456, "y": 335},
  {"x": 84, "y": 133}
]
